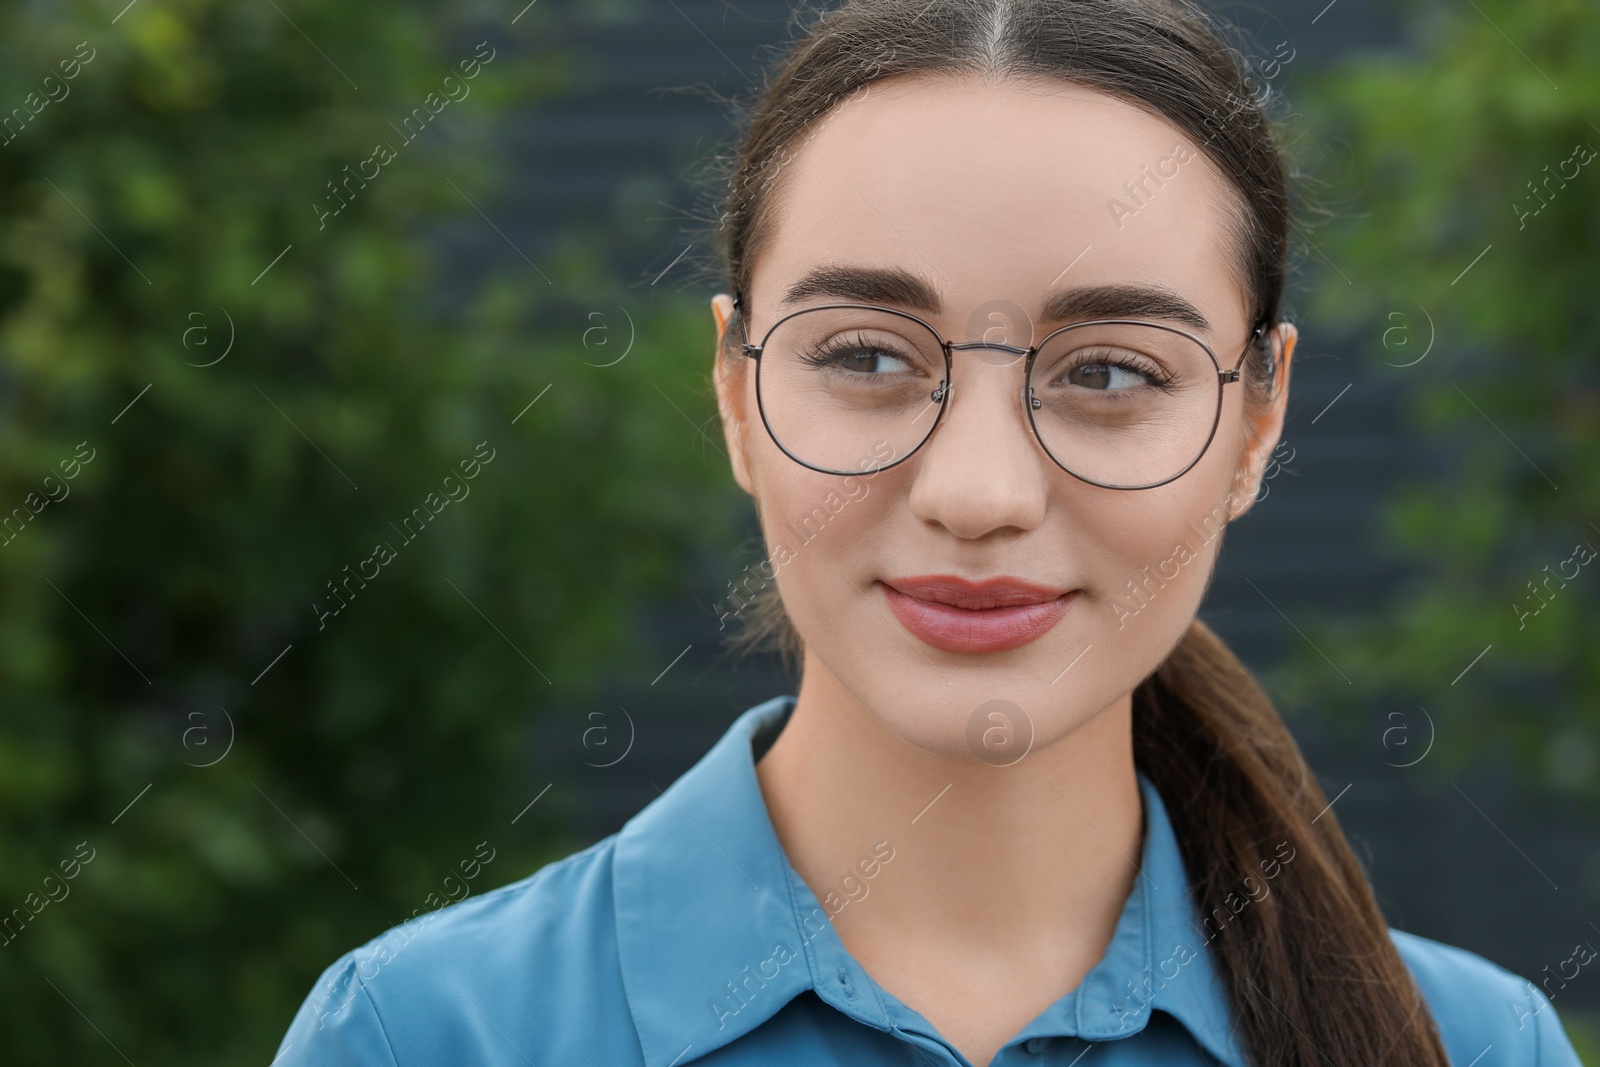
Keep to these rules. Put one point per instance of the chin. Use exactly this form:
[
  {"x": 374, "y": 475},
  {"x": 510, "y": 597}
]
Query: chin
[{"x": 997, "y": 714}]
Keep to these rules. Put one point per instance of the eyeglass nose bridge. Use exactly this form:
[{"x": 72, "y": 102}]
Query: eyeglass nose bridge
[
  {"x": 964, "y": 346},
  {"x": 1015, "y": 350}
]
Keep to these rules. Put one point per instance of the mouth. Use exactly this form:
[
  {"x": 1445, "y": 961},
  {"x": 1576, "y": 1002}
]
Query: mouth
[{"x": 957, "y": 615}]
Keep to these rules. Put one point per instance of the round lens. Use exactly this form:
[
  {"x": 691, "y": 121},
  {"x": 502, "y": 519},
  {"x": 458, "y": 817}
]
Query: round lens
[
  {"x": 848, "y": 389},
  {"x": 1124, "y": 404}
]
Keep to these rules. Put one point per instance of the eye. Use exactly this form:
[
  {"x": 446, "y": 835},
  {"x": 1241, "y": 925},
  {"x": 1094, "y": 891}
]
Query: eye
[
  {"x": 867, "y": 361},
  {"x": 1112, "y": 370},
  {"x": 1106, "y": 376},
  {"x": 860, "y": 356}
]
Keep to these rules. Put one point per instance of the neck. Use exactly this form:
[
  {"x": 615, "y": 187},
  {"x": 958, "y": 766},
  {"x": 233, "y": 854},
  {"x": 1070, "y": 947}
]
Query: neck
[{"x": 1028, "y": 862}]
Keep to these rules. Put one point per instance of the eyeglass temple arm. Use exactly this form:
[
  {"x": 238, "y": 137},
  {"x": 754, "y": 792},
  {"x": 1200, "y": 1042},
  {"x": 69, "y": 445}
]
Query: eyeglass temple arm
[{"x": 753, "y": 351}]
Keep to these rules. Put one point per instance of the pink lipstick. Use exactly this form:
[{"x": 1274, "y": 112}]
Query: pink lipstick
[{"x": 957, "y": 615}]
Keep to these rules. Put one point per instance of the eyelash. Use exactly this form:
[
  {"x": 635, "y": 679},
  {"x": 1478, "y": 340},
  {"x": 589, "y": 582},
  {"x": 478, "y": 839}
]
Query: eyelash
[
  {"x": 829, "y": 351},
  {"x": 1156, "y": 377}
]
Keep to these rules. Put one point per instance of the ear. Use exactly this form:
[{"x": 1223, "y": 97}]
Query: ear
[
  {"x": 731, "y": 379},
  {"x": 1265, "y": 429}
]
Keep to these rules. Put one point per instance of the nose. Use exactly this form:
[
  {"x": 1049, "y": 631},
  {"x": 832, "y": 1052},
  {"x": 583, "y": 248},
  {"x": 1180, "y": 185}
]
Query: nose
[{"x": 982, "y": 469}]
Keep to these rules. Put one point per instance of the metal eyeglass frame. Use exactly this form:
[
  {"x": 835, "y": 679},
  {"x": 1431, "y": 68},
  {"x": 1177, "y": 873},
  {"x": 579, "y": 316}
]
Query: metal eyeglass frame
[{"x": 942, "y": 394}]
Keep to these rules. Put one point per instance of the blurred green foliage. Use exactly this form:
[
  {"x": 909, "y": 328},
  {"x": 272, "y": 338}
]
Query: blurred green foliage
[
  {"x": 1465, "y": 227},
  {"x": 1585, "y": 1033},
  {"x": 170, "y": 693}
]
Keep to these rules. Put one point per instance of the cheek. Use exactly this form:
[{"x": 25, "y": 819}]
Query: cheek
[
  {"x": 1156, "y": 580},
  {"x": 819, "y": 529},
  {"x": 818, "y": 538},
  {"x": 1161, "y": 545}
]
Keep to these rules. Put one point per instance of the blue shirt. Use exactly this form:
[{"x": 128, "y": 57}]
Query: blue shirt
[{"x": 687, "y": 937}]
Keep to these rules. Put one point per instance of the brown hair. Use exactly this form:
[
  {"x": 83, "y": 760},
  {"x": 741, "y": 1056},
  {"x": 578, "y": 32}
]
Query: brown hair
[{"x": 1309, "y": 968}]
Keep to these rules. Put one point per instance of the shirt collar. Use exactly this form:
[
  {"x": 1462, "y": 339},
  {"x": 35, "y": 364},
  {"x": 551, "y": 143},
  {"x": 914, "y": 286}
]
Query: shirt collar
[{"x": 713, "y": 933}]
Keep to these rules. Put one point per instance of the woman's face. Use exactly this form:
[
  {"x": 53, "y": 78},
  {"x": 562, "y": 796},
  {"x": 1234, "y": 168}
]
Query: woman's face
[{"x": 994, "y": 196}]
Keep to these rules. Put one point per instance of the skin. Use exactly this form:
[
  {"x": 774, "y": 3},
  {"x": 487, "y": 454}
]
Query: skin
[{"x": 1008, "y": 885}]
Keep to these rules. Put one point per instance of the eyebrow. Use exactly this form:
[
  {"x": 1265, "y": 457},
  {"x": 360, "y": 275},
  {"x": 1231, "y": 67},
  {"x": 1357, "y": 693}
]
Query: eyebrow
[{"x": 896, "y": 286}]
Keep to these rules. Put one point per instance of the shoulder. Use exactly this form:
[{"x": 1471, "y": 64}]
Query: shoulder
[
  {"x": 560, "y": 908},
  {"x": 1487, "y": 1015},
  {"x": 503, "y": 976}
]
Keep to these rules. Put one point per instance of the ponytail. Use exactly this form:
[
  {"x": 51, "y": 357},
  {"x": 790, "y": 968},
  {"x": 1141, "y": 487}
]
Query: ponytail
[{"x": 1309, "y": 966}]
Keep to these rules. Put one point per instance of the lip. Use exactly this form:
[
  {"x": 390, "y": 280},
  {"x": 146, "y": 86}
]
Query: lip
[{"x": 958, "y": 615}]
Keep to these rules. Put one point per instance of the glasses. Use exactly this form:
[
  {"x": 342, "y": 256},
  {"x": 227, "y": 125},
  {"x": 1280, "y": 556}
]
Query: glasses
[{"x": 853, "y": 389}]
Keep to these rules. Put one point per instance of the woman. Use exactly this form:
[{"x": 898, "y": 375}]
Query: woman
[{"x": 1000, "y": 358}]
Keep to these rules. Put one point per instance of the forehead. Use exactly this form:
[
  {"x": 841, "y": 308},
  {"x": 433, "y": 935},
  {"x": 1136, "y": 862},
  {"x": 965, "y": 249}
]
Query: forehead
[{"x": 1003, "y": 191}]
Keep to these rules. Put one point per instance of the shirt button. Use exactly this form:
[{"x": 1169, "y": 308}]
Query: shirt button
[{"x": 1036, "y": 1044}]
